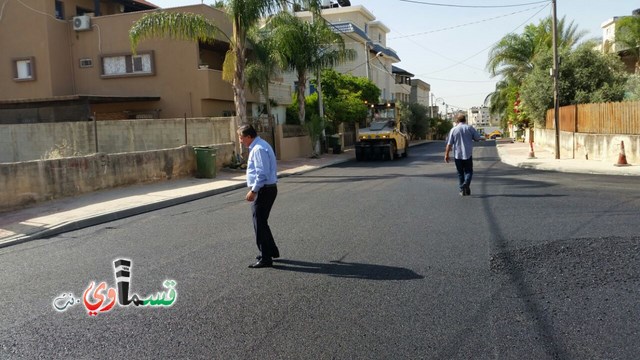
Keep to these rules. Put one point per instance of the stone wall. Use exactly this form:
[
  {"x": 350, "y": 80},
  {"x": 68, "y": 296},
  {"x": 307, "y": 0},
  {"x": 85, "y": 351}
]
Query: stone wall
[
  {"x": 24, "y": 142},
  {"x": 29, "y": 182},
  {"x": 599, "y": 147}
]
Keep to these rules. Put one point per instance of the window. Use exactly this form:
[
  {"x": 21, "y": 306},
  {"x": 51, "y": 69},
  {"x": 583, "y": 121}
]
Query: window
[
  {"x": 59, "y": 10},
  {"x": 24, "y": 69},
  {"x": 128, "y": 65}
]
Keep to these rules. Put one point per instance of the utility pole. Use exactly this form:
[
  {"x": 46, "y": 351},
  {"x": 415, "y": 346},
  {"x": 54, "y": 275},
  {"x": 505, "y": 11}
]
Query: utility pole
[
  {"x": 556, "y": 102},
  {"x": 368, "y": 65}
]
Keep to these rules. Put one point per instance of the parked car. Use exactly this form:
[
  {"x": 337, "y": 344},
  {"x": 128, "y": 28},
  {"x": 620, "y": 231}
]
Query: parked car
[{"x": 494, "y": 134}]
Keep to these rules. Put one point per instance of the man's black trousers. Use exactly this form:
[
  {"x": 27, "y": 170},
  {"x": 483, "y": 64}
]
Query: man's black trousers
[{"x": 261, "y": 209}]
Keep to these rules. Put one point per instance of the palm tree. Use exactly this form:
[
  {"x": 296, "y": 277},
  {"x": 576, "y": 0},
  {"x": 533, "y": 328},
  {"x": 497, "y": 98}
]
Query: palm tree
[
  {"x": 307, "y": 47},
  {"x": 244, "y": 14},
  {"x": 263, "y": 65},
  {"x": 628, "y": 37},
  {"x": 512, "y": 57},
  {"x": 514, "y": 54}
]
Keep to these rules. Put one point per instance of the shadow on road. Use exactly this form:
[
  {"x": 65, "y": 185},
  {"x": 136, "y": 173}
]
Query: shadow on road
[
  {"x": 348, "y": 270},
  {"x": 519, "y": 195}
]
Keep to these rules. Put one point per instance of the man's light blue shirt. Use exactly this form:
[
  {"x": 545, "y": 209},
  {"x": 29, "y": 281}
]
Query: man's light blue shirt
[
  {"x": 261, "y": 165},
  {"x": 461, "y": 138}
]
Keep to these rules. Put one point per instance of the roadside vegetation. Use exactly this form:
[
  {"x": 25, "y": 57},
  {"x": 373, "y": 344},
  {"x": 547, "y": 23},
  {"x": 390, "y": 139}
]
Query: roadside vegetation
[{"x": 523, "y": 61}]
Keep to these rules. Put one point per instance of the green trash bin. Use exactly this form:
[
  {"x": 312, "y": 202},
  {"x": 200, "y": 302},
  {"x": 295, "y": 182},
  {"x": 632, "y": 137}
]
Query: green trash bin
[
  {"x": 333, "y": 142},
  {"x": 205, "y": 161}
]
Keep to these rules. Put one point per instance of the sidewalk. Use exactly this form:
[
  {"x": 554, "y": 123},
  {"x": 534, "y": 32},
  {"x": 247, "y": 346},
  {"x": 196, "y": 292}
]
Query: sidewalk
[
  {"x": 517, "y": 154},
  {"x": 59, "y": 216}
]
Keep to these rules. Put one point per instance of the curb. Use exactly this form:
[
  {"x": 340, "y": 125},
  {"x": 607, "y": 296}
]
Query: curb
[
  {"x": 136, "y": 210},
  {"x": 98, "y": 219}
]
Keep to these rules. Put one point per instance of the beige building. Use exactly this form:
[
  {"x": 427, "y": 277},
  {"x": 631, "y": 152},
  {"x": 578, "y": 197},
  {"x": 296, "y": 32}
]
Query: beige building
[
  {"x": 368, "y": 37},
  {"x": 420, "y": 92},
  {"x": 69, "y": 60},
  {"x": 609, "y": 45},
  {"x": 402, "y": 90}
]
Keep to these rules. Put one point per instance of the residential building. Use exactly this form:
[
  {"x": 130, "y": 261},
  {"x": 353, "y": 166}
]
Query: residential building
[
  {"x": 403, "y": 85},
  {"x": 479, "y": 116},
  {"x": 420, "y": 93},
  {"x": 368, "y": 37},
  {"x": 71, "y": 60},
  {"x": 609, "y": 44}
]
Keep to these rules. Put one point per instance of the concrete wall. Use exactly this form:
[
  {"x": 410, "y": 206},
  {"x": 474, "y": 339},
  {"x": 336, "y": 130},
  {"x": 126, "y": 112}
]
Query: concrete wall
[
  {"x": 24, "y": 142},
  {"x": 29, "y": 182},
  {"x": 599, "y": 147},
  {"x": 291, "y": 147}
]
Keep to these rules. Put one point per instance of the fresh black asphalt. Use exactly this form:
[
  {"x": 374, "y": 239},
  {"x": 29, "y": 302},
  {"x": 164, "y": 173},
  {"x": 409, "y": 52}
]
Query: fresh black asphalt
[{"x": 380, "y": 260}]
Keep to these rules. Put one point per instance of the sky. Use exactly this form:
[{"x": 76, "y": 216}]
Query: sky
[{"x": 445, "y": 43}]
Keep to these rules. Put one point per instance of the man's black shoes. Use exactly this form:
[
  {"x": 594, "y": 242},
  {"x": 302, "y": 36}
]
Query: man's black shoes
[
  {"x": 275, "y": 255},
  {"x": 261, "y": 264},
  {"x": 465, "y": 191}
]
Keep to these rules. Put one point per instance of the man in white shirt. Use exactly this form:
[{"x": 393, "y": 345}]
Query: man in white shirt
[{"x": 461, "y": 139}]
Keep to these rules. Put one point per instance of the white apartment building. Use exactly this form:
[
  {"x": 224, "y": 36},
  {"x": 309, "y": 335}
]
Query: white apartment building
[
  {"x": 420, "y": 93},
  {"x": 368, "y": 37},
  {"x": 479, "y": 116},
  {"x": 609, "y": 35},
  {"x": 609, "y": 45}
]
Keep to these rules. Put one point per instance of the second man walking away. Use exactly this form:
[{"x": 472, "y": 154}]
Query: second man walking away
[{"x": 461, "y": 139}]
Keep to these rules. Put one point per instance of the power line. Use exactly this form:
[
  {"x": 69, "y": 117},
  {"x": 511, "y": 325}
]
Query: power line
[
  {"x": 474, "y": 6},
  {"x": 483, "y": 50},
  {"x": 463, "y": 25},
  {"x": 458, "y": 81}
]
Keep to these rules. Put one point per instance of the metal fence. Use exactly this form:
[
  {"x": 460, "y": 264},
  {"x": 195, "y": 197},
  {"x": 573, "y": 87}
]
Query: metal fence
[
  {"x": 289, "y": 131},
  {"x": 600, "y": 118},
  {"x": 265, "y": 127}
]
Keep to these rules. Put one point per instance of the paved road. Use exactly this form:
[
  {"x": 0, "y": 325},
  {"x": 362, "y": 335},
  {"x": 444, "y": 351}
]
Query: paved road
[{"x": 380, "y": 260}]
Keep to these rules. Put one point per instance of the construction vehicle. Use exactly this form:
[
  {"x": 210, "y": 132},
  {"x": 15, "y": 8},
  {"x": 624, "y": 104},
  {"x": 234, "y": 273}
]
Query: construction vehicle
[{"x": 385, "y": 138}]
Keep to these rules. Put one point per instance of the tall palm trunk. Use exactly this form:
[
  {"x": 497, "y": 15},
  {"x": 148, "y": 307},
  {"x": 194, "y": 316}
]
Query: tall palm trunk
[
  {"x": 302, "y": 84},
  {"x": 239, "y": 97}
]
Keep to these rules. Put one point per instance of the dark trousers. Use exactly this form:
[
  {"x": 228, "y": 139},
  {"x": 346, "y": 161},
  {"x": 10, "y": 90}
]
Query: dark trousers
[
  {"x": 261, "y": 209},
  {"x": 465, "y": 172}
]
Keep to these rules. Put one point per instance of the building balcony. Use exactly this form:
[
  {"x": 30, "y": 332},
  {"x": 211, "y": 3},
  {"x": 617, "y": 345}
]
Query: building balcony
[{"x": 212, "y": 86}]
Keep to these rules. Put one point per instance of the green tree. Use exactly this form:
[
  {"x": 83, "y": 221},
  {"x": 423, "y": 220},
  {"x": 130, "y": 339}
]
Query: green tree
[
  {"x": 414, "y": 115},
  {"x": 513, "y": 57},
  {"x": 334, "y": 82},
  {"x": 346, "y": 97},
  {"x": 263, "y": 66},
  {"x": 502, "y": 101},
  {"x": 440, "y": 128},
  {"x": 243, "y": 14},
  {"x": 627, "y": 37},
  {"x": 587, "y": 76},
  {"x": 306, "y": 48},
  {"x": 632, "y": 88}
]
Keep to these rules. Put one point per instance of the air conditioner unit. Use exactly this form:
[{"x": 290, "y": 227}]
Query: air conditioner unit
[{"x": 81, "y": 23}]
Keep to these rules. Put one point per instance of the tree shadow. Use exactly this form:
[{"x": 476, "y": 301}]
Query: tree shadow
[{"x": 341, "y": 269}]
